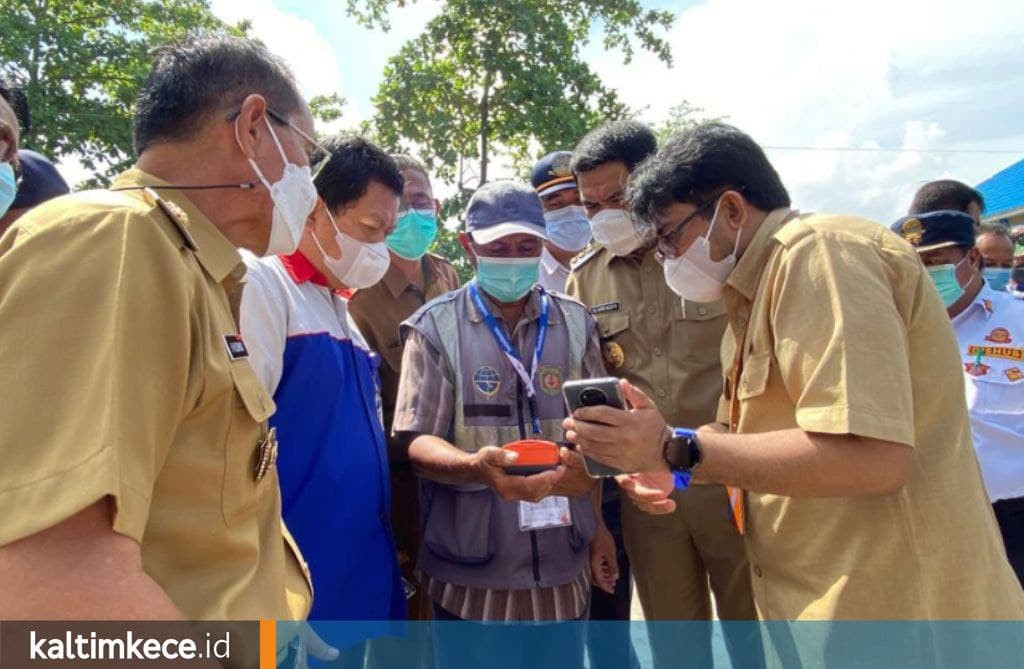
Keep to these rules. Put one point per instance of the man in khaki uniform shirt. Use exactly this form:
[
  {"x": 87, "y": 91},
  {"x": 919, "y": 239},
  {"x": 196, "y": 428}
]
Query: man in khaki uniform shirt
[
  {"x": 669, "y": 348},
  {"x": 849, "y": 433},
  {"x": 378, "y": 311},
  {"x": 139, "y": 477}
]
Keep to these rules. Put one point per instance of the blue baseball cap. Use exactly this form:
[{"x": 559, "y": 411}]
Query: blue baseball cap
[
  {"x": 936, "y": 229},
  {"x": 552, "y": 173},
  {"x": 40, "y": 181},
  {"x": 502, "y": 208}
]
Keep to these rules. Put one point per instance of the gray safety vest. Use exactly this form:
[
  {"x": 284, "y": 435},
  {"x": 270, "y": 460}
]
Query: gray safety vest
[{"x": 471, "y": 536}]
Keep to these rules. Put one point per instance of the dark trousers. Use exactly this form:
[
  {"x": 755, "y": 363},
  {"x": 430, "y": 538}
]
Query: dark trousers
[
  {"x": 609, "y": 645},
  {"x": 1010, "y": 516}
]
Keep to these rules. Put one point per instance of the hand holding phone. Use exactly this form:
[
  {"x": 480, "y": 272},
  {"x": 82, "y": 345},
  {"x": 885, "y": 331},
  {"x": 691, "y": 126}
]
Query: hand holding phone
[{"x": 594, "y": 392}]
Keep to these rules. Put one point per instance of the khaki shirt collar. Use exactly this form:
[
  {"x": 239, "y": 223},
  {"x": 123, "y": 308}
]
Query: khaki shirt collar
[
  {"x": 215, "y": 253},
  {"x": 397, "y": 283},
  {"x": 744, "y": 277}
]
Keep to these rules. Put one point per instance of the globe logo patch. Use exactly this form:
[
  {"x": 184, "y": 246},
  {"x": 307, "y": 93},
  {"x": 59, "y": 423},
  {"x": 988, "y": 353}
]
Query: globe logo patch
[{"x": 487, "y": 381}]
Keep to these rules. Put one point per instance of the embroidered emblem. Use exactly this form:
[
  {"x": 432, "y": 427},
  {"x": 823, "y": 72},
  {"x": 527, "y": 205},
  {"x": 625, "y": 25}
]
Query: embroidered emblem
[
  {"x": 1014, "y": 374},
  {"x": 613, "y": 355},
  {"x": 550, "y": 380},
  {"x": 913, "y": 231},
  {"x": 976, "y": 369},
  {"x": 487, "y": 381},
  {"x": 999, "y": 336}
]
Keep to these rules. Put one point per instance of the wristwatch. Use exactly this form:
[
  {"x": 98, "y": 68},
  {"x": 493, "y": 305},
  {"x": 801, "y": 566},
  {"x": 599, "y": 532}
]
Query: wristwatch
[{"x": 682, "y": 454}]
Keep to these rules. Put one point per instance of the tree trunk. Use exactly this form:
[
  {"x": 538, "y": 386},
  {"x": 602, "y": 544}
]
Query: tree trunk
[{"x": 485, "y": 126}]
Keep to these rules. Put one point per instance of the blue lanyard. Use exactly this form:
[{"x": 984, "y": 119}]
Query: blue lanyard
[{"x": 506, "y": 346}]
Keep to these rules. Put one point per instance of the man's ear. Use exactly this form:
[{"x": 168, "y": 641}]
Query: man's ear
[
  {"x": 467, "y": 247},
  {"x": 437, "y": 208},
  {"x": 733, "y": 209},
  {"x": 974, "y": 256},
  {"x": 249, "y": 126}
]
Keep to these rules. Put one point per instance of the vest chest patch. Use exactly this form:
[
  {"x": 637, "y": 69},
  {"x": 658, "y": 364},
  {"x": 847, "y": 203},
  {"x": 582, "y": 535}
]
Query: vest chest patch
[{"x": 487, "y": 381}]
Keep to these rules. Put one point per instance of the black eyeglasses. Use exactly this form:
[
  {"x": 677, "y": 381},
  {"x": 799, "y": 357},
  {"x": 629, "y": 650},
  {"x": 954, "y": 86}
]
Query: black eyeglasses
[
  {"x": 669, "y": 238},
  {"x": 318, "y": 155}
]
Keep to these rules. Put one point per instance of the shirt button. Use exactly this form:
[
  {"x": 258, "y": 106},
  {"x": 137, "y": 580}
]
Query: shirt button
[
  {"x": 651, "y": 309},
  {"x": 757, "y": 571},
  {"x": 661, "y": 393},
  {"x": 657, "y": 351},
  {"x": 703, "y": 311},
  {"x": 238, "y": 273},
  {"x": 741, "y": 321}
]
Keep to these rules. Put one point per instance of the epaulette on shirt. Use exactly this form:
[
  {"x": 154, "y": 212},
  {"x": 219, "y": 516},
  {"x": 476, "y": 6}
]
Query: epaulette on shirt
[
  {"x": 582, "y": 260},
  {"x": 177, "y": 215}
]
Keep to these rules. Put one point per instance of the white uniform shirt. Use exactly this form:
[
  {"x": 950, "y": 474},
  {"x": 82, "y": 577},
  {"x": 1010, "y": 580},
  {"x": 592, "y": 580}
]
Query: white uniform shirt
[
  {"x": 553, "y": 274},
  {"x": 991, "y": 336}
]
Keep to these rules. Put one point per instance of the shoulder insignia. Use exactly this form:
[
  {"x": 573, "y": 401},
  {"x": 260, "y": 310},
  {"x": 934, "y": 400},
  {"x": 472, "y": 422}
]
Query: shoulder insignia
[
  {"x": 177, "y": 216},
  {"x": 586, "y": 257}
]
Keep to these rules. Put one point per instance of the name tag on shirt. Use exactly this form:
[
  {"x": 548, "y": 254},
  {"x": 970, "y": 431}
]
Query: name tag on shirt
[
  {"x": 604, "y": 308},
  {"x": 547, "y": 513},
  {"x": 236, "y": 347}
]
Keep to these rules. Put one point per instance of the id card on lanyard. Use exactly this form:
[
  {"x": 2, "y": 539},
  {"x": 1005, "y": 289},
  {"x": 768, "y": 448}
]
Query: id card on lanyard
[
  {"x": 509, "y": 350},
  {"x": 552, "y": 511}
]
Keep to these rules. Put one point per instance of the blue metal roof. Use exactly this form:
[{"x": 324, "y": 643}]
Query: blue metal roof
[{"x": 1004, "y": 190}]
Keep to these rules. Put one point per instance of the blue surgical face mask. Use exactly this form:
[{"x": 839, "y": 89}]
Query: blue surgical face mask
[
  {"x": 507, "y": 279},
  {"x": 997, "y": 277},
  {"x": 946, "y": 282},
  {"x": 568, "y": 228},
  {"x": 8, "y": 187},
  {"x": 413, "y": 234}
]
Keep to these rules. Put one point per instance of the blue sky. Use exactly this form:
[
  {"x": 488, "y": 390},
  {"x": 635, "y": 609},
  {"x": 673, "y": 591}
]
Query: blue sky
[{"x": 932, "y": 83}]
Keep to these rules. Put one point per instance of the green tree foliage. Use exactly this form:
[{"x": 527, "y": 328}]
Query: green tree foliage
[
  {"x": 82, "y": 63},
  {"x": 327, "y": 108},
  {"x": 682, "y": 116},
  {"x": 505, "y": 77}
]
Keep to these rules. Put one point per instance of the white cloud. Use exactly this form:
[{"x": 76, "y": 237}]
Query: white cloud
[
  {"x": 922, "y": 74},
  {"x": 295, "y": 39}
]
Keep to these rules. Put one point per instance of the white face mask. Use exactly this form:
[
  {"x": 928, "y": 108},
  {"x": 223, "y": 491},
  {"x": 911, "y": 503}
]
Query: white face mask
[
  {"x": 361, "y": 265},
  {"x": 568, "y": 228},
  {"x": 294, "y": 197},
  {"x": 694, "y": 275},
  {"x": 614, "y": 231}
]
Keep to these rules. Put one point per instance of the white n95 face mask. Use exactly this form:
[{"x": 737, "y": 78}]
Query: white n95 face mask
[
  {"x": 294, "y": 197},
  {"x": 694, "y": 275},
  {"x": 614, "y": 230},
  {"x": 362, "y": 264}
]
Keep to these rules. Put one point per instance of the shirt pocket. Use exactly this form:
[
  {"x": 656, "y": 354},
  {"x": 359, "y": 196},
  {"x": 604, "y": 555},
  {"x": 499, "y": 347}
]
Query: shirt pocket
[
  {"x": 994, "y": 395},
  {"x": 754, "y": 378},
  {"x": 247, "y": 445}
]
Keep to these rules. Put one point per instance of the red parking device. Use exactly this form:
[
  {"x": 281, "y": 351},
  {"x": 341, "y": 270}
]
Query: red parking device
[{"x": 535, "y": 456}]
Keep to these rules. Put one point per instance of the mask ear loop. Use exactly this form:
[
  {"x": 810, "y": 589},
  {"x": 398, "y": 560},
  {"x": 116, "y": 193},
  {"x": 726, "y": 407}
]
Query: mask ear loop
[
  {"x": 330, "y": 217},
  {"x": 714, "y": 219}
]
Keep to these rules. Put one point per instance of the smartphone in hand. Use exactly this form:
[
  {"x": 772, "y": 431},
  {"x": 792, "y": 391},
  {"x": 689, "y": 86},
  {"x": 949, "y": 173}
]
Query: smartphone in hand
[{"x": 594, "y": 392}]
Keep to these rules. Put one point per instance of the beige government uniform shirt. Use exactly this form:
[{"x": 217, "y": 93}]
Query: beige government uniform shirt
[
  {"x": 121, "y": 376},
  {"x": 843, "y": 332},
  {"x": 650, "y": 337}
]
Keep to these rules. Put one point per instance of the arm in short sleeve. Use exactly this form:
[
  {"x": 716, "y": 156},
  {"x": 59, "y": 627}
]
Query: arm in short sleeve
[
  {"x": 840, "y": 341},
  {"x": 95, "y": 366},
  {"x": 426, "y": 396},
  {"x": 264, "y": 325}
]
